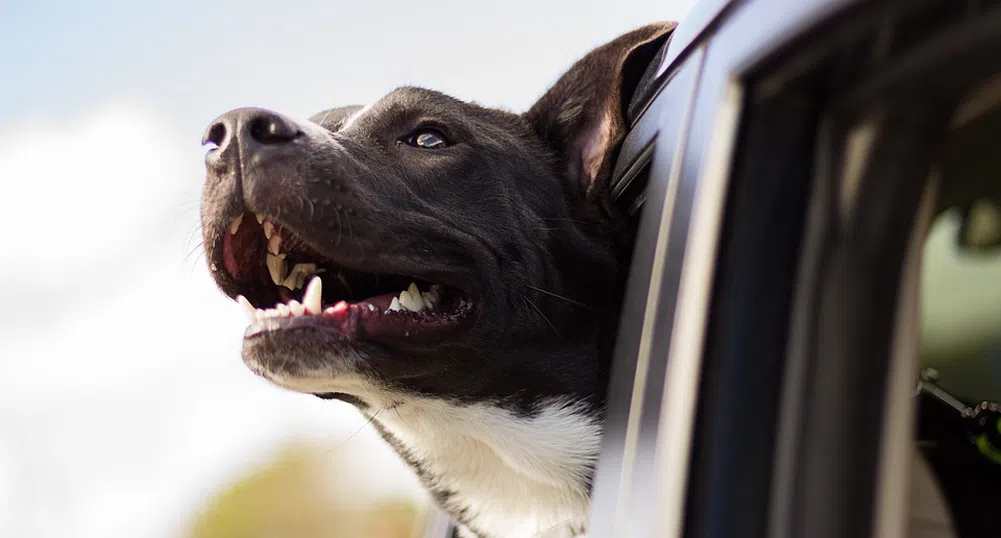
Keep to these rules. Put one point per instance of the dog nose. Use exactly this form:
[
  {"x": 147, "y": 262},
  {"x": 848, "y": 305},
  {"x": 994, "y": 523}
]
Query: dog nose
[{"x": 250, "y": 129}]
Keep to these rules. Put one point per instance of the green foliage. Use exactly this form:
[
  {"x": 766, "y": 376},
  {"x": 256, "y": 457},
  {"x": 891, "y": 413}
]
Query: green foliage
[{"x": 298, "y": 495}]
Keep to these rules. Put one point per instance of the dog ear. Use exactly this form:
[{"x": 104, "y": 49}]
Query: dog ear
[{"x": 582, "y": 116}]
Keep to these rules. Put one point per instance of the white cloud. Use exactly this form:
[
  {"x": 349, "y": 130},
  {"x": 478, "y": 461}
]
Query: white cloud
[
  {"x": 120, "y": 418},
  {"x": 78, "y": 191}
]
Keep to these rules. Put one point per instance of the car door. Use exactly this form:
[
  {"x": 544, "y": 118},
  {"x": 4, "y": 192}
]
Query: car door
[{"x": 776, "y": 397}]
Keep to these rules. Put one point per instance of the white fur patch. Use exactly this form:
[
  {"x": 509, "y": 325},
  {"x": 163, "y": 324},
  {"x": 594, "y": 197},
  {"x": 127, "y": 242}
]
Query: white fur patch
[{"x": 515, "y": 476}]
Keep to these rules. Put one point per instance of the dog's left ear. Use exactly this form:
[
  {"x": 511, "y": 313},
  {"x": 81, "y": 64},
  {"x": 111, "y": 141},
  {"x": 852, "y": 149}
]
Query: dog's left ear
[{"x": 582, "y": 116}]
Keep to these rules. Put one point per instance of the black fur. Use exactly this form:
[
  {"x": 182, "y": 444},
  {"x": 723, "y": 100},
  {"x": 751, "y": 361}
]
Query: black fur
[{"x": 515, "y": 212}]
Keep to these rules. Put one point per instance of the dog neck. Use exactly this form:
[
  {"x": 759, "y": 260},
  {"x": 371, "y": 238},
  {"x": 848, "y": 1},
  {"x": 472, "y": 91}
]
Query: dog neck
[{"x": 499, "y": 473}]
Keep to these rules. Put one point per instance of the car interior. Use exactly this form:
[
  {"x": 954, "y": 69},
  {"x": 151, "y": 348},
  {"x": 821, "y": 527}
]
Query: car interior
[{"x": 958, "y": 468}]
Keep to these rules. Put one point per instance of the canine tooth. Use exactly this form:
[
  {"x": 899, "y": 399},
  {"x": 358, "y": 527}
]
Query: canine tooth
[
  {"x": 414, "y": 304},
  {"x": 248, "y": 308},
  {"x": 313, "y": 298},
  {"x": 296, "y": 308},
  {"x": 290, "y": 282},
  {"x": 269, "y": 229},
  {"x": 276, "y": 266},
  {"x": 260, "y": 218},
  {"x": 274, "y": 243},
  {"x": 235, "y": 225},
  {"x": 394, "y": 306}
]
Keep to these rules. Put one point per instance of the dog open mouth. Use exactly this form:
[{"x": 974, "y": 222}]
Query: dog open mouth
[{"x": 284, "y": 283}]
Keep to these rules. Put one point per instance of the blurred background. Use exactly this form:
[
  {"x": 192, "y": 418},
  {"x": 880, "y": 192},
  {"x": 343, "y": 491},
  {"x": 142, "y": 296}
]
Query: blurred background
[{"x": 125, "y": 410}]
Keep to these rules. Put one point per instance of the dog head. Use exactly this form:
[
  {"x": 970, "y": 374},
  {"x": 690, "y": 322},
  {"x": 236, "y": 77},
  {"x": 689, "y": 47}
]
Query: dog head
[{"x": 427, "y": 246}]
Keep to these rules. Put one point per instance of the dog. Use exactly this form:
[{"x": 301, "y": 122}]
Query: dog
[{"x": 455, "y": 272}]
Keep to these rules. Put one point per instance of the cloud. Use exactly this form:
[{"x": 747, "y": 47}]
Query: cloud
[
  {"x": 80, "y": 190},
  {"x": 122, "y": 416}
]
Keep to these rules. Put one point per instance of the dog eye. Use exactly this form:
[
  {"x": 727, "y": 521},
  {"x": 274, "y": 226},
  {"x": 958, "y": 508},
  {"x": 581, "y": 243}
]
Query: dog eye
[{"x": 427, "y": 139}]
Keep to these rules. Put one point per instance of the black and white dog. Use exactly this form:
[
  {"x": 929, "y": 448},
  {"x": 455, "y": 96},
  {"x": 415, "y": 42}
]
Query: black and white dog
[{"x": 453, "y": 271}]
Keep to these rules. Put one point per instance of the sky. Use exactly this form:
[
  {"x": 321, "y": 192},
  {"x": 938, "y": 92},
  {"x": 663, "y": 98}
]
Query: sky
[{"x": 123, "y": 402}]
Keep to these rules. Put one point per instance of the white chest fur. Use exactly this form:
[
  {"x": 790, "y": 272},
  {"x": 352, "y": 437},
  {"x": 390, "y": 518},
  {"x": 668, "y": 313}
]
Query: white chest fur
[{"x": 515, "y": 476}]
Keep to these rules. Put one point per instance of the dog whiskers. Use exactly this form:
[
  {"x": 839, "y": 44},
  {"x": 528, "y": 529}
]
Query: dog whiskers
[
  {"x": 567, "y": 299},
  {"x": 529, "y": 301},
  {"x": 546, "y": 531},
  {"x": 395, "y": 408},
  {"x": 578, "y": 221},
  {"x": 323, "y": 119},
  {"x": 199, "y": 246},
  {"x": 340, "y": 226},
  {"x": 352, "y": 436}
]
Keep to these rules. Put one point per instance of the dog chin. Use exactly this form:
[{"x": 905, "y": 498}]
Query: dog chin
[{"x": 305, "y": 366}]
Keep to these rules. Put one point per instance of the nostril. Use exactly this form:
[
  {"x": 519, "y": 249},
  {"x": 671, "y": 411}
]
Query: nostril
[
  {"x": 215, "y": 135},
  {"x": 271, "y": 129}
]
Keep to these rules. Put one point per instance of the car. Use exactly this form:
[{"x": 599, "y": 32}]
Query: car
[{"x": 811, "y": 339}]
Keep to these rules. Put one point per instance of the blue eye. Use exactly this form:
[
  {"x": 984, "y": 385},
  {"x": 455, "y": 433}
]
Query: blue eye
[{"x": 427, "y": 139}]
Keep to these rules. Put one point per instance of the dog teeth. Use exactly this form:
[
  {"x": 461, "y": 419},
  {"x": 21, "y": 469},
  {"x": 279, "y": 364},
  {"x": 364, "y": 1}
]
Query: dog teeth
[
  {"x": 304, "y": 268},
  {"x": 248, "y": 308},
  {"x": 269, "y": 229},
  {"x": 312, "y": 303},
  {"x": 276, "y": 266},
  {"x": 297, "y": 276},
  {"x": 274, "y": 243},
  {"x": 432, "y": 296},
  {"x": 414, "y": 300},
  {"x": 411, "y": 299},
  {"x": 312, "y": 300},
  {"x": 260, "y": 218},
  {"x": 235, "y": 225}
]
